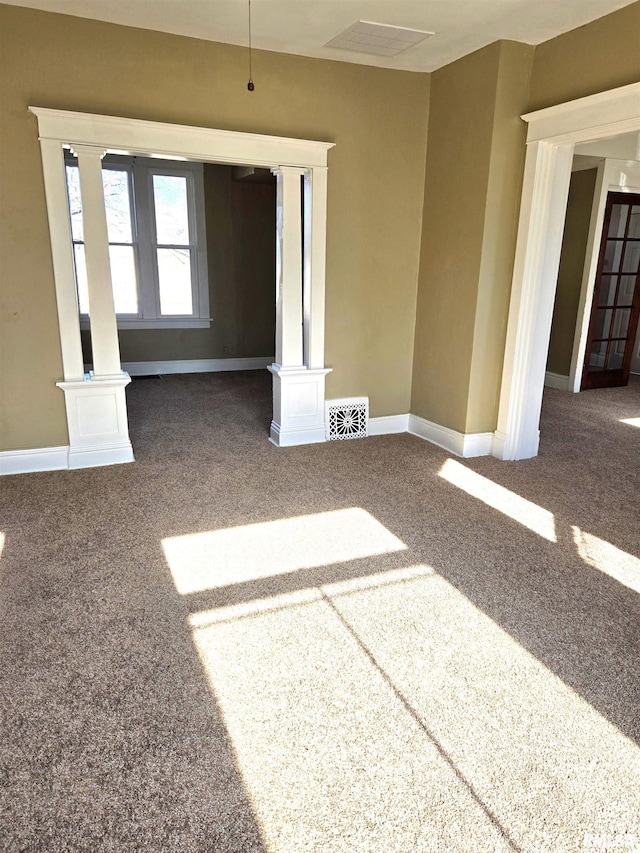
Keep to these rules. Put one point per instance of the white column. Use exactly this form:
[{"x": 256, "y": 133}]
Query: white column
[
  {"x": 542, "y": 211},
  {"x": 289, "y": 266},
  {"x": 102, "y": 314},
  {"x": 55, "y": 185},
  {"x": 96, "y": 405},
  {"x": 298, "y": 387}
]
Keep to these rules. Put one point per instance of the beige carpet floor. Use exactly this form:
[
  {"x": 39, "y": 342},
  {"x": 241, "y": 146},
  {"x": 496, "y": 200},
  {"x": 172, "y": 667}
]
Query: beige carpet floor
[{"x": 365, "y": 646}]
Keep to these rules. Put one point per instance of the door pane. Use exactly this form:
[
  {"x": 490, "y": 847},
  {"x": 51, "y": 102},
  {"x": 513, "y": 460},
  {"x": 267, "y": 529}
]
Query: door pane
[
  {"x": 172, "y": 216},
  {"x": 115, "y": 183},
  {"x": 603, "y": 323},
  {"x": 616, "y": 355},
  {"x": 634, "y": 224},
  {"x": 598, "y": 355},
  {"x": 81, "y": 277},
  {"x": 607, "y": 292},
  {"x": 612, "y": 256},
  {"x": 618, "y": 221},
  {"x": 123, "y": 276},
  {"x": 174, "y": 276},
  {"x": 621, "y": 320},
  {"x": 627, "y": 289},
  {"x": 631, "y": 261}
]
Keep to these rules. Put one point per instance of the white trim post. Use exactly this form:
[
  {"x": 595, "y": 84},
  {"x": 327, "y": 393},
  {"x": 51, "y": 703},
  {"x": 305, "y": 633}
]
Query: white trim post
[
  {"x": 55, "y": 186},
  {"x": 102, "y": 313},
  {"x": 544, "y": 201},
  {"x": 289, "y": 348},
  {"x": 298, "y": 388}
]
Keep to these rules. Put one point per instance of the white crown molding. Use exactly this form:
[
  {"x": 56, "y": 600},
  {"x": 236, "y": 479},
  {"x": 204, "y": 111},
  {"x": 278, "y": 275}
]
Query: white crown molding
[
  {"x": 195, "y": 365},
  {"x": 466, "y": 445},
  {"x": 35, "y": 459},
  {"x": 389, "y": 424},
  {"x": 556, "y": 380}
]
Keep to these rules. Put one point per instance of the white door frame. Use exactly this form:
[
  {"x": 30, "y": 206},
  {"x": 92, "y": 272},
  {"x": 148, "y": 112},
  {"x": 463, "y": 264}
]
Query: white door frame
[
  {"x": 96, "y": 404},
  {"x": 613, "y": 176},
  {"x": 551, "y": 138}
]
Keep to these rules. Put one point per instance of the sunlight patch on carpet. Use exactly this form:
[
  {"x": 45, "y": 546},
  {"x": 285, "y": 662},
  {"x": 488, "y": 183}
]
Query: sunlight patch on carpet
[
  {"x": 525, "y": 512},
  {"x": 398, "y": 716},
  {"x": 218, "y": 558},
  {"x": 631, "y": 421},
  {"x": 602, "y": 555}
]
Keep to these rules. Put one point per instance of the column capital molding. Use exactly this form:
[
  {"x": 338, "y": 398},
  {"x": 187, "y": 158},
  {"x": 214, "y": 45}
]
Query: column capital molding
[
  {"x": 88, "y": 150},
  {"x": 289, "y": 170}
]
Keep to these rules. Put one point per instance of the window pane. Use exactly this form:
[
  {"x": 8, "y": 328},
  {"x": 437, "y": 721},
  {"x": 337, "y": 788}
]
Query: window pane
[
  {"x": 174, "y": 275},
  {"x": 81, "y": 277},
  {"x": 75, "y": 203},
  {"x": 172, "y": 218},
  {"x": 115, "y": 183},
  {"x": 123, "y": 276}
]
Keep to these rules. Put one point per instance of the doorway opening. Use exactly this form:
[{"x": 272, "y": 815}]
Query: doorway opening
[
  {"x": 95, "y": 403},
  {"x": 552, "y": 137}
]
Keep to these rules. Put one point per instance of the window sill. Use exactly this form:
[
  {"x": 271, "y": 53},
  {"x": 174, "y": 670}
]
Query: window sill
[{"x": 166, "y": 323}]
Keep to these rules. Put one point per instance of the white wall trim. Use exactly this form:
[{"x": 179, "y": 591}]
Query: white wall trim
[
  {"x": 389, "y": 424},
  {"x": 556, "y": 380},
  {"x": 99, "y": 455},
  {"x": 551, "y": 138},
  {"x": 195, "y": 365},
  {"x": 36, "y": 459},
  {"x": 462, "y": 444}
]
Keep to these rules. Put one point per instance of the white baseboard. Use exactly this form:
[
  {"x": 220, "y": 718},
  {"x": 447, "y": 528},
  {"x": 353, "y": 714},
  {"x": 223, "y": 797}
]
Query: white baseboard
[
  {"x": 556, "y": 380},
  {"x": 38, "y": 459},
  {"x": 62, "y": 458},
  {"x": 295, "y": 437},
  {"x": 93, "y": 457},
  {"x": 388, "y": 425},
  {"x": 462, "y": 444},
  {"x": 195, "y": 365}
]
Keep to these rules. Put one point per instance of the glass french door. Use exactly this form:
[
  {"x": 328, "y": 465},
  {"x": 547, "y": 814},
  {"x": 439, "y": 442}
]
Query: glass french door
[{"x": 616, "y": 297}]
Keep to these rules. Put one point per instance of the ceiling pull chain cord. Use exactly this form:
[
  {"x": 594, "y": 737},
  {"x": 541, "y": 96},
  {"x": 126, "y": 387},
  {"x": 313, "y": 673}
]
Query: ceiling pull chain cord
[{"x": 250, "y": 85}]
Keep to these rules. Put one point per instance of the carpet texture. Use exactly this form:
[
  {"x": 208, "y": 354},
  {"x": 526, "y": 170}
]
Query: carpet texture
[{"x": 365, "y": 646}]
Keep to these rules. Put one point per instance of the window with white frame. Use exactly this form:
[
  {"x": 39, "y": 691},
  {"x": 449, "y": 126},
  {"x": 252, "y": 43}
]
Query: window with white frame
[{"x": 157, "y": 241}]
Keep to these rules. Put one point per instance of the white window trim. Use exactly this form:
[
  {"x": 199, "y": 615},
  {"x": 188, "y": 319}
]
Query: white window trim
[{"x": 141, "y": 171}]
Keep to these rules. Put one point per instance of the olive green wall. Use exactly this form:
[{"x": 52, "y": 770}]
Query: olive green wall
[
  {"x": 240, "y": 224},
  {"x": 574, "y": 247},
  {"x": 472, "y": 187},
  {"x": 376, "y": 117},
  {"x": 599, "y": 56}
]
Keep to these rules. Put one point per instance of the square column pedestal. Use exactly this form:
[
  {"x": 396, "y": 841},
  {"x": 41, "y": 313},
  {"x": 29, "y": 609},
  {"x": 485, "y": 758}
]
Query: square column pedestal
[
  {"x": 97, "y": 418},
  {"x": 298, "y": 405}
]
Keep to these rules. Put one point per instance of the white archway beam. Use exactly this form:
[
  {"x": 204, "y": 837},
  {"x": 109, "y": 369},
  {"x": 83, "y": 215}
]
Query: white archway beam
[{"x": 177, "y": 141}]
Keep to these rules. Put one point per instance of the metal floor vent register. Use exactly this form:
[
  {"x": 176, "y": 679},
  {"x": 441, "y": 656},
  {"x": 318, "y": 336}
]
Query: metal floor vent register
[{"x": 347, "y": 418}]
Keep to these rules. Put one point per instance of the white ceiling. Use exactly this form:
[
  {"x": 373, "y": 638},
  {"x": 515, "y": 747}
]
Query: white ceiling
[{"x": 304, "y": 26}]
